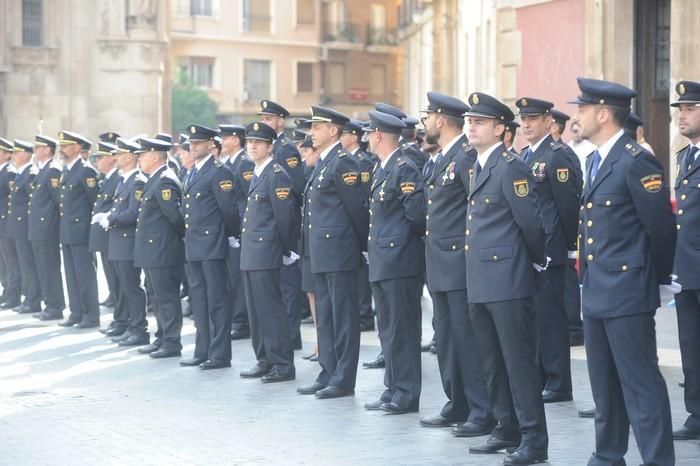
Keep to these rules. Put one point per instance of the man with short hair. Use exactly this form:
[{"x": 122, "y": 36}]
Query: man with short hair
[
  {"x": 17, "y": 225},
  {"x": 11, "y": 281},
  {"x": 504, "y": 249},
  {"x": 158, "y": 245},
  {"x": 268, "y": 240},
  {"x": 626, "y": 244},
  {"x": 43, "y": 227}
]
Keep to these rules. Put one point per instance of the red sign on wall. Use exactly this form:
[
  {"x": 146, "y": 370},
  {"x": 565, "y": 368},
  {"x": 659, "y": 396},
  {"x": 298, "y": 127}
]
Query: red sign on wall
[{"x": 358, "y": 94}]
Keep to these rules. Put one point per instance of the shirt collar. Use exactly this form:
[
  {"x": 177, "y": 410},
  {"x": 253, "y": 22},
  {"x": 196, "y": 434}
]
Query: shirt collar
[
  {"x": 200, "y": 164},
  {"x": 235, "y": 156},
  {"x": 224, "y": 158},
  {"x": 41, "y": 165},
  {"x": 21, "y": 169},
  {"x": 110, "y": 173},
  {"x": 128, "y": 174},
  {"x": 449, "y": 145},
  {"x": 259, "y": 169},
  {"x": 3, "y": 165},
  {"x": 328, "y": 150},
  {"x": 607, "y": 146},
  {"x": 483, "y": 158},
  {"x": 433, "y": 158},
  {"x": 537, "y": 145},
  {"x": 386, "y": 160},
  {"x": 354, "y": 151},
  {"x": 70, "y": 165}
]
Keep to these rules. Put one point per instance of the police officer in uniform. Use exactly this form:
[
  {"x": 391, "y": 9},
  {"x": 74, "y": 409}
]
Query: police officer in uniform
[
  {"x": 11, "y": 281},
  {"x": 103, "y": 160},
  {"x": 233, "y": 157},
  {"x": 558, "y": 197},
  {"x": 286, "y": 154},
  {"x": 18, "y": 225},
  {"x": 447, "y": 190},
  {"x": 268, "y": 239},
  {"x": 687, "y": 261},
  {"x": 626, "y": 249},
  {"x": 78, "y": 194},
  {"x": 396, "y": 263},
  {"x": 121, "y": 223},
  {"x": 504, "y": 248},
  {"x": 408, "y": 147},
  {"x": 559, "y": 120},
  {"x": 212, "y": 223},
  {"x": 350, "y": 139},
  {"x": 509, "y": 139},
  {"x": 158, "y": 246},
  {"x": 43, "y": 227},
  {"x": 337, "y": 237}
]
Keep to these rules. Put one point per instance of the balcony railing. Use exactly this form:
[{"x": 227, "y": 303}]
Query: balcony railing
[
  {"x": 381, "y": 36},
  {"x": 342, "y": 32}
]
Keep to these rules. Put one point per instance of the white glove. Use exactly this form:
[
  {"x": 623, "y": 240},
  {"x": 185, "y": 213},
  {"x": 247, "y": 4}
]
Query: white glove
[
  {"x": 572, "y": 254},
  {"x": 97, "y": 217},
  {"x": 539, "y": 268},
  {"x": 104, "y": 222},
  {"x": 366, "y": 256},
  {"x": 290, "y": 259},
  {"x": 233, "y": 242}
]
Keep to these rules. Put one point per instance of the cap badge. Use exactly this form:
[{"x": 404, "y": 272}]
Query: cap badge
[
  {"x": 475, "y": 99},
  {"x": 256, "y": 127},
  {"x": 523, "y": 102},
  {"x": 193, "y": 130},
  {"x": 681, "y": 88}
]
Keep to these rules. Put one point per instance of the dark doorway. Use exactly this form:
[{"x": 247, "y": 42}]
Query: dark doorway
[{"x": 652, "y": 35}]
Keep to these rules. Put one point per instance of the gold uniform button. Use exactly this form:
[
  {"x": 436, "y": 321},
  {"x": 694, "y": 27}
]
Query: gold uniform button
[
  {"x": 124, "y": 235},
  {"x": 466, "y": 247},
  {"x": 369, "y": 238},
  {"x": 580, "y": 222},
  {"x": 430, "y": 201},
  {"x": 454, "y": 247},
  {"x": 683, "y": 197},
  {"x": 678, "y": 227},
  {"x": 391, "y": 244},
  {"x": 328, "y": 235},
  {"x": 242, "y": 230},
  {"x": 624, "y": 268},
  {"x": 487, "y": 200},
  {"x": 607, "y": 203},
  {"x": 495, "y": 258},
  {"x": 473, "y": 203},
  {"x": 581, "y": 207},
  {"x": 206, "y": 232},
  {"x": 187, "y": 225},
  {"x": 427, "y": 232},
  {"x": 29, "y": 212},
  {"x": 370, "y": 225},
  {"x": 150, "y": 240},
  {"x": 589, "y": 240},
  {"x": 589, "y": 257},
  {"x": 589, "y": 205},
  {"x": 42, "y": 219},
  {"x": 680, "y": 211},
  {"x": 468, "y": 232},
  {"x": 469, "y": 217},
  {"x": 260, "y": 239},
  {"x": 589, "y": 223},
  {"x": 187, "y": 206},
  {"x": 685, "y": 181},
  {"x": 427, "y": 217}
]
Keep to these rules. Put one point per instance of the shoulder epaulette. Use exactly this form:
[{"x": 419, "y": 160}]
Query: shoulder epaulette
[
  {"x": 276, "y": 168},
  {"x": 633, "y": 148},
  {"x": 141, "y": 177},
  {"x": 555, "y": 145},
  {"x": 172, "y": 176},
  {"x": 33, "y": 170},
  {"x": 400, "y": 161},
  {"x": 683, "y": 149},
  {"x": 508, "y": 156}
]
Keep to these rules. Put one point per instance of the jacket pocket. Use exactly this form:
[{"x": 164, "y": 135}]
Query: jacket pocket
[
  {"x": 496, "y": 254},
  {"x": 622, "y": 263},
  {"x": 451, "y": 244}
]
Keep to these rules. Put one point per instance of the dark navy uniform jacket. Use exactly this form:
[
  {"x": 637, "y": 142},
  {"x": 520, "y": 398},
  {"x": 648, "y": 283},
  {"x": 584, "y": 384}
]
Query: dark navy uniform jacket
[
  {"x": 628, "y": 234},
  {"x": 271, "y": 222},
  {"x": 211, "y": 213},
  {"x": 447, "y": 191},
  {"x": 78, "y": 194},
  {"x": 287, "y": 156},
  {"x": 418, "y": 157},
  {"x": 688, "y": 220},
  {"x": 339, "y": 225},
  {"x": 504, "y": 234},
  {"x": 18, "y": 204},
  {"x": 99, "y": 237},
  {"x": 242, "y": 169},
  {"x": 122, "y": 217},
  {"x": 43, "y": 205},
  {"x": 366, "y": 166},
  {"x": 397, "y": 221},
  {"x": 7, "y": 179},
  {"x": 558, "y": 189},
  {"x": 160, "y": 226}
]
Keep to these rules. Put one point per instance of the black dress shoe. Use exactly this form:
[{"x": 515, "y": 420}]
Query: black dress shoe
[
  {"x": 135, "y": 340},
  {"x": 393, "y": 408},
  {"x": 433, "y": 349},
  {"x": 307, "y": 320},
  {"x": 256, "y": 371},
  {"x": 314, "y": 358},
  {"x": 376, "y": 364},
  {"x": 69, "y": 322},
  {"x": 84, "y": 324},
  {"x": 309, "y": 356},
  {"x": 148, "y": 349},
  {"x": 334, "y": 392},
  {"x": 50, "y": 315},
  {"x": 437, "y": 421},
  {"x": 492, "y": 445},
  {"x": 471, "y": 429},
  {"x": 525, "y": 455},
  {"x": 210, "y": 364},
  {"x": 186, "y": 309},
  {"x": 374, "y": 405},
  {"x": 115, "y": 331},
  {"x": 240, "y": 334},
  {"x": 109, "y": 302},
  {"x": 310, "y": 389},
  {"x": 191, "y": 362},
  {"x": 9, "y": 304},
  {"x": 366, "y": 326},
  {"x": 587, "y": 413},
  {"x": 24, "y": 309},
  {"x": 549, "y": 396},
  {"x": 275, "y": 376},
  {"x": 121, "y": 337},
  {"x": 576, "y": 340},
  {"x": 681, "y": 384},
  {"x": 686, "y": 434},
  {"x": 165, "y": 353}
]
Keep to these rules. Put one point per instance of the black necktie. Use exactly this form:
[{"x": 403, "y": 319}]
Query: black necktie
[
  {"x": 526, "y": 155},
  {"x": 252, "y": 183},
  {"x": 190, "y": 177},
  {"x": 428, "y": 169},
  {"x": 691, "y": 156},
  {"x": 477, "y": 170},
  {"x": 595, "y": 164}
]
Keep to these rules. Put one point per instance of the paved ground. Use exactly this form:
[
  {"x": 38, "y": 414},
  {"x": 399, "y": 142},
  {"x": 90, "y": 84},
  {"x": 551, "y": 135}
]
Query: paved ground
[{"x": 71, "y": 397}]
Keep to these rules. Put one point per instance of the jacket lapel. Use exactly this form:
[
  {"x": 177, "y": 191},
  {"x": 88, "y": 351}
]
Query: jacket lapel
[
  {"x": 381, "y": 174},
  {"x": 486, "y": 171},
  {"x": 198, "y": 175},
  {"x": 607, "y": 166}
]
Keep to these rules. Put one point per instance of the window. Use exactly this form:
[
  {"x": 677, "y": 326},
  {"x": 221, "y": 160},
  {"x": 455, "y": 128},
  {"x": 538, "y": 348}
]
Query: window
[
  {"x": 256, "y": 16},
  {"x": 305, "y": 77},
  {"x": 31, "y": 23},
  {"x": 256, "y": 79},
  {"x": 377, "y": 24},
  {"x": 199, "y": 70},
  {"x": 663, "y": 64},
  {"x": 201, "y": 7},
  {"x": 306, "y": 12},
  {"x": 378, "y": 80},
  {"x": 336, "y": 79}
]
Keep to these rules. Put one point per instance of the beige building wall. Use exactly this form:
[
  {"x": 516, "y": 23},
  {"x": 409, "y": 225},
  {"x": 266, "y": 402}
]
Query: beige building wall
[
  {"x": 416, "y": 57},
  {"x": 222, "y": 38},
  {"x": 101, "y": 69}
]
